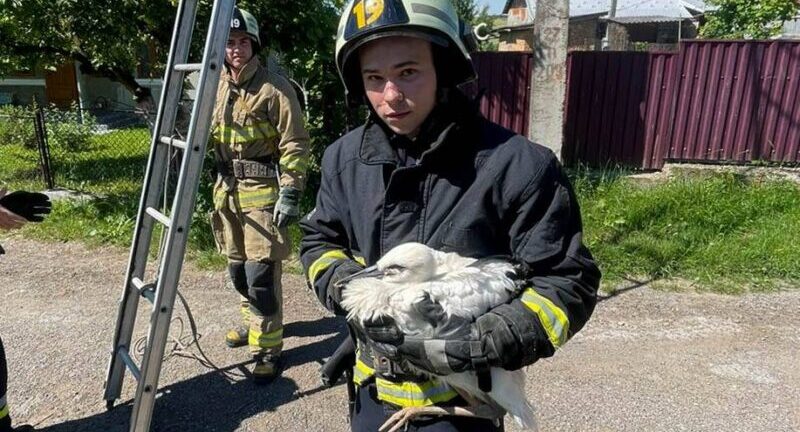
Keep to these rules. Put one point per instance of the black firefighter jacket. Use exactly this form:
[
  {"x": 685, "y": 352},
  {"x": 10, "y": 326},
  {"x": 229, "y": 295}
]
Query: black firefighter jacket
[{"x": 478, "y": 190}]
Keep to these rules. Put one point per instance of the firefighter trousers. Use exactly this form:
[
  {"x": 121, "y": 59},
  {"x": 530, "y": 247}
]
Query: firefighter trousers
[{"x": 261, "y": 304}]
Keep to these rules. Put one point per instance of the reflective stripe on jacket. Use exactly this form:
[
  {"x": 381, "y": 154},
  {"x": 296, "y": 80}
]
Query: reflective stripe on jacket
[{"x": 258, "y": 117}]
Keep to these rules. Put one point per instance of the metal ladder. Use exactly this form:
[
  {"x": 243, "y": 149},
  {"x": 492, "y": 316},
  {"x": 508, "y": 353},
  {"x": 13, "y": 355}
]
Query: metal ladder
[{"x": 161, "y": 292}]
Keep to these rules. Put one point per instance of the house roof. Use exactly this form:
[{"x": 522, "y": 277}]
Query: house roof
[{"x": 631, "y": 11}]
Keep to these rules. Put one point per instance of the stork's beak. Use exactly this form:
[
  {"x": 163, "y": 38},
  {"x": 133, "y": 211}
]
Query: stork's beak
[{"x": 371, "y": 271}]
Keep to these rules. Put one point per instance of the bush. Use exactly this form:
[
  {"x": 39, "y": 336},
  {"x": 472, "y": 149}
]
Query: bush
[
  {"x": 17, "y": 126},
  {"x": 66, "y": 128}
]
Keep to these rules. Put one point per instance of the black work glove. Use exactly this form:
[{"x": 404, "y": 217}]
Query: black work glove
[
  {"x": 287, "y": 209},
  {"x": 334, "y": 294},
  {"x": 33, "y": 206},
  {"x": 459, "y": 344}
]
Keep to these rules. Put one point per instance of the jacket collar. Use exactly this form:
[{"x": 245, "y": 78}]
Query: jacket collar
[
  {"x": 245, "y": 75},
  {"x": 437, "y": 134}
]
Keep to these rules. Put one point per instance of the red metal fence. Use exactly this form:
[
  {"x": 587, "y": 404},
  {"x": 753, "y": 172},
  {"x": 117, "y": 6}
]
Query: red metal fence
[
  {"x": 505, "y": 80},
  {"x": 714, "y": 101},
  {"x": 737, "y": 101}
]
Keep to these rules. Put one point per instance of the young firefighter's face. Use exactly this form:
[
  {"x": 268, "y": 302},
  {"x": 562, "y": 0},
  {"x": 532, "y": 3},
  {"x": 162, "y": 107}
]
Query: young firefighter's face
[
  {"x": 239, "y": 50},
  {"x": 399, "y": 81}
]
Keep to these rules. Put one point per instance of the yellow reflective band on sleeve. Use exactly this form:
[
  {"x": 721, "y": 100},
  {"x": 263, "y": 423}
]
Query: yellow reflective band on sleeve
[
  {"x": 361, "y": 372},
  {"x": 265, "y": 340},
  {"x": 553, "y": 319},
  {"x": 257, "y": 198},
  {"x": 361, "y": 260},
  {"x": 294, "y": 163},
  {"x": 245, "y": 134},
  {"x": 413, "y": 394},
  {"x": 3, "y": 411},
  {"x": 323, "y": 262}
]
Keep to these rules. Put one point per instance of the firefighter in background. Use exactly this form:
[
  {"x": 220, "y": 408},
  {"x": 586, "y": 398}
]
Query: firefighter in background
[
  {"x": 16, "y": 209},
  {"x": 261, "y": 154},
  {"x": 428, "y": 167}
]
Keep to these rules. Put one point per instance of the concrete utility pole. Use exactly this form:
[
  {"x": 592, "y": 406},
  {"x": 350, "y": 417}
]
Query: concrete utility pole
[
  {"x": 612, "y": 12},
  {"x": 549, "y": 78}
]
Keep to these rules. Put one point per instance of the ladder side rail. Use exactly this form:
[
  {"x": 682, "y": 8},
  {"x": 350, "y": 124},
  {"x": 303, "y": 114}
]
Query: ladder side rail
[
  {"x": 150, "y": 197},
  {"x": 182, "y": 210}
]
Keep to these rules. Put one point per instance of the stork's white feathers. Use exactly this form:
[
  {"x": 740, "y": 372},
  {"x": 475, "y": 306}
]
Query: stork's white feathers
[{"x": 414, "y": 274}]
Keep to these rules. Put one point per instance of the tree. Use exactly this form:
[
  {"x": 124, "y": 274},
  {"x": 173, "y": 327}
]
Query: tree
[
  {"x": 109, "y": 37},
  {"x": 748, "y": 19}
]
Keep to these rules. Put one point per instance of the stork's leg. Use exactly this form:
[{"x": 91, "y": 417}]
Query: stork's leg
[{"x": 475, "y": 409}]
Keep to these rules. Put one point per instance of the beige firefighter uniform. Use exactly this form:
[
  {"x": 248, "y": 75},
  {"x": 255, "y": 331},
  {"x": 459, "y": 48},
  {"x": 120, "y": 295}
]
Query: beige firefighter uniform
[{"x": 257, "y": 124}]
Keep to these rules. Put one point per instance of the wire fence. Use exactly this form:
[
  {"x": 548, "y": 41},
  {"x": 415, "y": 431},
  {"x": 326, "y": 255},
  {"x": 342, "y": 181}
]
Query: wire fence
[{"x": 101, "y": 152}]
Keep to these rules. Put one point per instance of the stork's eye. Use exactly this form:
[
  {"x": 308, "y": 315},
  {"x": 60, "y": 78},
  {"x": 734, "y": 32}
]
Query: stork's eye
[{"x": 393, "y": 270}]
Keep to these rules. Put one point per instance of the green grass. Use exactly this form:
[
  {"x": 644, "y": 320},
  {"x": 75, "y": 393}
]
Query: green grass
[
  {"x": 723, "y": 233},
  {"x": 18, "y": 167},
  {"x": 111, "y": 163}
]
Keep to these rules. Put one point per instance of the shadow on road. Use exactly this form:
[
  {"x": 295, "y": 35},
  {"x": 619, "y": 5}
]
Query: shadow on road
[
  {"x": 634, "y": 284},
  {"x": 214, "y": 401}
]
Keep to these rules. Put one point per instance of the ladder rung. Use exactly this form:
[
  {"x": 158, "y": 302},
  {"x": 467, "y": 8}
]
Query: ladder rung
[
  {"x": 190, "y": 67},
  {"x": 126, "y": 358},
  {"x": 157, "y": 215},
  {"x": 145, "y": 290},
  {"x": 170, "y": 141}
]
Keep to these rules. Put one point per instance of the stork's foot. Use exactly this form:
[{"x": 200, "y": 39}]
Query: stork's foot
[{"x": 399, "y": 419}]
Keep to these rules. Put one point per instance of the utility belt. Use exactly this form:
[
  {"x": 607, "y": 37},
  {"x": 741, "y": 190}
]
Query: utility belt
[
  {"x": 248, "y": 168},
  {"x": 392, "y": 371}
]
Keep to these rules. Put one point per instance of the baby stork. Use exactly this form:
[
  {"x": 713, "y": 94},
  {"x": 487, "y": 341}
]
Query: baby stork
[{"x": 412, "y": 274}]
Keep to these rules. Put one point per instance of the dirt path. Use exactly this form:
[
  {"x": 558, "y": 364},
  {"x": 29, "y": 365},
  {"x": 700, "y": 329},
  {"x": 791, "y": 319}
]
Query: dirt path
[{"x": 647, "y": 361}]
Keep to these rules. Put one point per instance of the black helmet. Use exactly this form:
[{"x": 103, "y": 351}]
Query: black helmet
[{"x": 433, "y": 20}]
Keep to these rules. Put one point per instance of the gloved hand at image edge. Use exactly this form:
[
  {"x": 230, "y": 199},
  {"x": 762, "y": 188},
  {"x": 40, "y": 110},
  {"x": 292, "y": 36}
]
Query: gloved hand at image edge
[
  {"x": 287, "y": 208},
  {"x": 33, "y": 206}
]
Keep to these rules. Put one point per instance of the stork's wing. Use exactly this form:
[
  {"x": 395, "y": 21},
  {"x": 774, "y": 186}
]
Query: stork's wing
[{"x": 471, "y": 291}]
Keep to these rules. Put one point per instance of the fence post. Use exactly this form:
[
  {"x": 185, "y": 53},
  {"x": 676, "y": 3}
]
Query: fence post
[{"x": 44, "y": 148}]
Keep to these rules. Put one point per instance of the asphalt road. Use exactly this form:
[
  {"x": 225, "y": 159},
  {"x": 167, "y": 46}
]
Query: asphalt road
[{"x": 649, "y": 360}]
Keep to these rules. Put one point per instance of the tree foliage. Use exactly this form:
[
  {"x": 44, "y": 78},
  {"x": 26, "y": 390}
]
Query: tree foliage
[
  {"x": 469, "y": 11},
  {"x": 748, "y": 19},
  {"x": 111, "y": 37}
]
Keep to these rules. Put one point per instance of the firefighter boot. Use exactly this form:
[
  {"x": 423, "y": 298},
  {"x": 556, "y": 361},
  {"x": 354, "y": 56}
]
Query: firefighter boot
[
  {"x": 265, "y": 369},
  {"x": 237, "y": 337},
  {"x": 266, "y": 326}
]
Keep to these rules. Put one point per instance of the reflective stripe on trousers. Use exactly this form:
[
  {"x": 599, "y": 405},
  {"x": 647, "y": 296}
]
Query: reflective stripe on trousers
[
  {"x": 370, "y": 413},
  {"x": 405, "y": 393}
]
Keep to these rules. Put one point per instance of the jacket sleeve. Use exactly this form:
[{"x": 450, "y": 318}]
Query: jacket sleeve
[
  {"x": 325, "y": 249},
  {"x": 293, "y": 144},
  {"x": 561, "y": 277}
]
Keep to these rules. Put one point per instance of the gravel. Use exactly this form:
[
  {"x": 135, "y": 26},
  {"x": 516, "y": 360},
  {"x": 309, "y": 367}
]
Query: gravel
[{"x": 648, "y": 360}]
